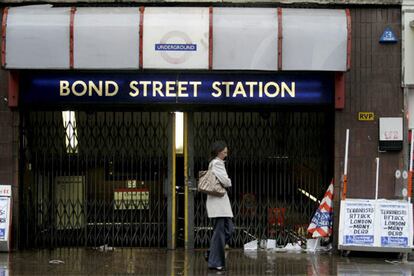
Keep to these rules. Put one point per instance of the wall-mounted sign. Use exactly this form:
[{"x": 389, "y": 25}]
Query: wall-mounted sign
[
  {"x": 177, "y": 88},
  {"x": 176, "y": 37},
  {"x": 388, "y": 36},
  {"x": 366, "y": 116},
  {"x": 390, "y": 133}
]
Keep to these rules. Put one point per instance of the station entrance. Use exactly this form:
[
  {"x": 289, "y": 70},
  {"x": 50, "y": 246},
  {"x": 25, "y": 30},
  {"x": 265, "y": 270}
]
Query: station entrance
[
  {"x": 99, "y": 177},
  {"x": 97, "y": 162}
]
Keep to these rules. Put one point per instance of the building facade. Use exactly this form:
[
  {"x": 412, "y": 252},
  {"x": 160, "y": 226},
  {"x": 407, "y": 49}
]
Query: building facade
[{"x": 89, "y": 166}]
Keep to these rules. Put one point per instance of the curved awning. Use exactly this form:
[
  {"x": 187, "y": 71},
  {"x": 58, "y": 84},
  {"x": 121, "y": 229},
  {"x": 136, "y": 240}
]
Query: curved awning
[{"x": 271, "y": 39}]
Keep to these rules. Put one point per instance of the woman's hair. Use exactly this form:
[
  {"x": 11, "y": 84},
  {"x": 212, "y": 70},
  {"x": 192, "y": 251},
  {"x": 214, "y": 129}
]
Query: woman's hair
[{"x": 216, "y": 148}]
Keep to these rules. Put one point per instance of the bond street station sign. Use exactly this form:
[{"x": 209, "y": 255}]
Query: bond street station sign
[{"x": 176, "y": 88}]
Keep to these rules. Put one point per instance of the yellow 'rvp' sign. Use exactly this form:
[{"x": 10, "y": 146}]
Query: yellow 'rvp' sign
[{"x": 366, "y": 116}]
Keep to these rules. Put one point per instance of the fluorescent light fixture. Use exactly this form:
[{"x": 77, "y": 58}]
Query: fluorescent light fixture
[
  {"x": 309, "y": 195},
  {"x": 179, "y": 132},
  {"x": 71, "y": 137}
]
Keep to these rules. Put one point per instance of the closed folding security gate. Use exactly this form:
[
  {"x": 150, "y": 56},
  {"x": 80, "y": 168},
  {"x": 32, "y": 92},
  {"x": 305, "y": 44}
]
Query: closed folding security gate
[
  {"x": 277, "y": 161},
  {"x": 94, "y": 178}
]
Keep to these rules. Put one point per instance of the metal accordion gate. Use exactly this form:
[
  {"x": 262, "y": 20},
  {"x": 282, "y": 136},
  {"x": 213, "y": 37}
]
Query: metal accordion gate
[
  {"x": 280, "y": 163},
  {"x": 93, "y": 178}
]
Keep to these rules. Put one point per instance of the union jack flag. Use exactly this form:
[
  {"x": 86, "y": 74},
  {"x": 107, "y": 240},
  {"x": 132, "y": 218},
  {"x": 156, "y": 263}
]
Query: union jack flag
[{"x": 321, "y": 224}]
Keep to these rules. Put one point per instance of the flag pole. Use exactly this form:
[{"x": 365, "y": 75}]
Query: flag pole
[
  {"x": 376, "y": 178},
  {"x": 410, "y": 173},
  {"x": 345, "y": 180}
]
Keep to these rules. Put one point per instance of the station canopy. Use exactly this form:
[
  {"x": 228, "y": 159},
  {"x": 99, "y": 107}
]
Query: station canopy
[{"x": 200, "y": 38}]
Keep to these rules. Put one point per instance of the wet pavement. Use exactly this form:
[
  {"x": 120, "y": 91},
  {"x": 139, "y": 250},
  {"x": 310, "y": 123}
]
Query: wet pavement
[{"x": 133, "y": 261}]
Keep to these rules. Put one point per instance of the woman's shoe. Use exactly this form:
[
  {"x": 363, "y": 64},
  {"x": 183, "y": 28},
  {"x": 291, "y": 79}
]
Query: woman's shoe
[
  {"x": 219, "y": 268},
  {"x": 206, "y": 255}
]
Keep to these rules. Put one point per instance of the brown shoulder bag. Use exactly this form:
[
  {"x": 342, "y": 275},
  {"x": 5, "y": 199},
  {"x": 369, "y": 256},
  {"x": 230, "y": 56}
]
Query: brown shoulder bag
[{"x": 209, "y": 184}]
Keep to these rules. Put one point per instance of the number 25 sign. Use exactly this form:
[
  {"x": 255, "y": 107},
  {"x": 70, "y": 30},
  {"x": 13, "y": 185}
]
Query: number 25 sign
[{"x": 391, "y": 135}]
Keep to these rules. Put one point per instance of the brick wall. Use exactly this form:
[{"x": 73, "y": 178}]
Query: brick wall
[{"x": 373, "y": 84}]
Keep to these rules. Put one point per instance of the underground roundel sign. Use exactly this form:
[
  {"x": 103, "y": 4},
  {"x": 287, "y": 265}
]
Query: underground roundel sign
[
  {"x": 175, "y": 38},
  {"x": 176, "y": 53}
]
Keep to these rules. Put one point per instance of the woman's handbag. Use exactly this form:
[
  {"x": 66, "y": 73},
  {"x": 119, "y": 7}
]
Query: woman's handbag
[{"x": 209, "y": 184}]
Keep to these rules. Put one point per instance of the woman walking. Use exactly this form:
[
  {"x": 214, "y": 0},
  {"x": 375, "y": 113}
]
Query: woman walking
[{"x": 219, "y": 210}]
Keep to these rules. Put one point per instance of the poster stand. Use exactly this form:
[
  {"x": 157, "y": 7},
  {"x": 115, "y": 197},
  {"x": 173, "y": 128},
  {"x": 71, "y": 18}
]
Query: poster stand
[
  {"x": 5, "y": 217},
  {"x": 378, "y": 225}
]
